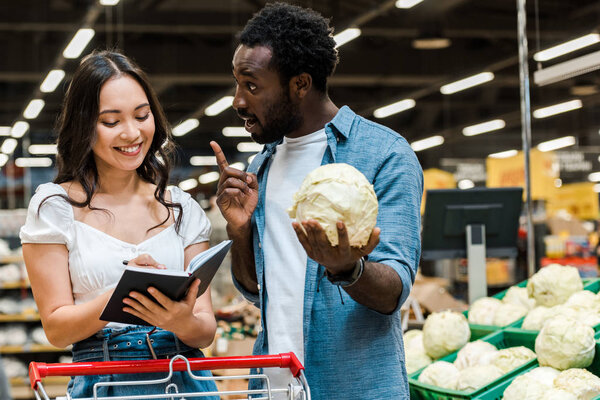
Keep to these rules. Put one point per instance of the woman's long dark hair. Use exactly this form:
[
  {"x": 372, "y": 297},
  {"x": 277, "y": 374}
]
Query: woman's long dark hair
[{"x": 76, "y": 130}]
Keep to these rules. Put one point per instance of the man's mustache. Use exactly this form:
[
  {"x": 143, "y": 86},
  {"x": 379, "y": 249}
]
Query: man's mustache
[{"x": 244, "y": 115}]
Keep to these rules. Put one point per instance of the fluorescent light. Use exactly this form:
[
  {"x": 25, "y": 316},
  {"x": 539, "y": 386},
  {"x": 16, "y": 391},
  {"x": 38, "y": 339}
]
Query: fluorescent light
[
  {"x": 407, "y": 3},
  {"x": 203, "y": 160},
  {"x": 239, "y": 165},
  {"x": 484, "y": 127},
  {"x": 557, "y": 109},
  {"x": 34, "y": 108},
  {"x": 78, "y": 43},
  {"x": 219, "y": 106},
  {"x": 42, "y": 149},
  {"x": 9, "y": 145},
  {"x": 208, "y": 177},
  {"x": 427, "y": 143},
  {"x": 19, "y": 129},
  {"x": 52, "y": 80},
  {"x": 465, "y": 184},
  {"x": 249, "y": 147},
  {"x": 467, "y": 83},
  {"x": 3, "y": 159},
  {"x": 594, "y": 177},
  {"x": 185, "y": 127},
  {"x": 394, "y": 108},
  {"x": 556, "y": 143},
  {"x": 567, "y": 47},
  {"x": 30, "y": 162},
  {"x": 109, "y": 2},
  {"x": 504, "y": 154},
  {"x": 188, "y": 184},
  {"x": 597, "y": 188},
  {"x": 345, "y": 36},
  {"x": 251, "y": 158},
  {"x": 5, "y": 130},
  {"x": 235, "y": 131}
]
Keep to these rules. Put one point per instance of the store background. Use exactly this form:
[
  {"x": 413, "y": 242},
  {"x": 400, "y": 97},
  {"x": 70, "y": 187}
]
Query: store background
[{"x": 402, "y": 53}]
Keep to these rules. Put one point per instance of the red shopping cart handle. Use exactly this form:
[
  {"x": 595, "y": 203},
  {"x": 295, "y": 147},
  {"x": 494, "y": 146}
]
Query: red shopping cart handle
[{"x": 38, "y": 370}]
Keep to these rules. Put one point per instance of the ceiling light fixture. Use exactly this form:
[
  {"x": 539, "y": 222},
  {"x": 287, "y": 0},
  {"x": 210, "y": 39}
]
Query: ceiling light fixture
[
  {"x": 9, "y": 145},
  {"x": 203, "y": 161},
  {"x": 557, "y": 143},
  {"x": 78, "y": 43},
  {"x": 239, "y": 165},
  {"x": 32, "y": 162},
  {"x": 394, "y": 108},
  {"x": 185, "y": 127},
  {"x": 594, "y": 177},
  {"x": 407, "y": 3},
  {"x": 34, "y": 108},
  {"x": 208, "y": 177},
  {"x": 435, "y": 42},
  {"x": 235, "y": 131},
  {"x": 567, "y": 47},
  {"x": 19, "y": 129},
  {"x": 427, "y": 143},
  {"x": 249, "y": 147},
  {"x": 109, "y": 3},
  {"x": 219, "y": 106},
  {"x": 549, "y": 111},
  {"x": 42, "y": 149},
  {"x": 3, "y": 159},
  {"x": 567, "y": 69},
  {"x": 467, "y": 83},
  {"x": 5, "y": 130},
  {"x": 52, "y": 80},
  {"x": 188, "y": 184},
  {"x": 504, "y": 154},
  {"x": 484, "y": 127},
  {"x": 345, "y": 36}
]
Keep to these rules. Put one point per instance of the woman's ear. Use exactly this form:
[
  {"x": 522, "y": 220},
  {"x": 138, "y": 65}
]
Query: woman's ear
[{"x": 300, "y": 85}]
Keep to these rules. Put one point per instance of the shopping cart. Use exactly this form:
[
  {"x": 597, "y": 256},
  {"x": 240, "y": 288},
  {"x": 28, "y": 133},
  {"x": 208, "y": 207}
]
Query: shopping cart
[{"x": 296, "y": 390}]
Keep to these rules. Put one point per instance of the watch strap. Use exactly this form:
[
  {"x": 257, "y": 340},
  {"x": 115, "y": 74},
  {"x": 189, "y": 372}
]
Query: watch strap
[{"x": 349, "y": 278}]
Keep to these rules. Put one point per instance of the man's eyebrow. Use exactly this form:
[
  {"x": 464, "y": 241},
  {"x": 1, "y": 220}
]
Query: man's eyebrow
[
  {"x": 118, "y": 111},
  {"x": 244, "y": 71}
]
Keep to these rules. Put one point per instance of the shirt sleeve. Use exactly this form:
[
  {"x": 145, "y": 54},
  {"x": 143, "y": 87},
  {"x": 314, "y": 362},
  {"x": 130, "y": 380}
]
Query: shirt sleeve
[
  {"x": 195, "y": 226},
  {"x": 49, "y": 223},
  {"x": 399, "y": 188}
]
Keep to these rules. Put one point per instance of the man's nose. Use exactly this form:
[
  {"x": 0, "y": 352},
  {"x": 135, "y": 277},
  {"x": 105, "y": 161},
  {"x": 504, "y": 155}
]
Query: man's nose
[{"x": 239, "y": 102}]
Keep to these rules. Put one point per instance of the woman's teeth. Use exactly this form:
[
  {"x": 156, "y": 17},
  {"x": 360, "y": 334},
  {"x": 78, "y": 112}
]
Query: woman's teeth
[{"x": 132, "y": 149}]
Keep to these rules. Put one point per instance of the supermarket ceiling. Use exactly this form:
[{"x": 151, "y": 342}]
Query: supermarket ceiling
[{"x": 186, "y": 48}]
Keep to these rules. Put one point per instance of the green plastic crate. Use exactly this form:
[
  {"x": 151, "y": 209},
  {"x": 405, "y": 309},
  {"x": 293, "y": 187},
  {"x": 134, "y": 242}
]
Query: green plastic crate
[{"x": 492, "y": 391}]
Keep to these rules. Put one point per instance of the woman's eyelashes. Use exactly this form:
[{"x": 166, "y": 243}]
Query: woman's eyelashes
[{"x": 113, "y": 124}]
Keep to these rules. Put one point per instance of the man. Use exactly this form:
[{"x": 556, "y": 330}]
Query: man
[{"x": 337, "y": 308}]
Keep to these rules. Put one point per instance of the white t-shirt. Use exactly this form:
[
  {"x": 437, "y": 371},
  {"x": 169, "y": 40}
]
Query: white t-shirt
[
  {"x": 285, "y": 258},
  {"x": 95, "y": 258}
]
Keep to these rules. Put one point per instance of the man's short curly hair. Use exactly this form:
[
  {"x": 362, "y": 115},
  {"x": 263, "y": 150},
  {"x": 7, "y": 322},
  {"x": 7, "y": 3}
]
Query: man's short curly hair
[{"x": 300, "y": 38}]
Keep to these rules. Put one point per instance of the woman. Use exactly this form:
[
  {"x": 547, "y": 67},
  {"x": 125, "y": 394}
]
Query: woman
[{"x": 109, "y": 203}]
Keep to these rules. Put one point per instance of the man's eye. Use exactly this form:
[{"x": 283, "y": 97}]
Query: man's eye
[{"x": 251, "y": 86}]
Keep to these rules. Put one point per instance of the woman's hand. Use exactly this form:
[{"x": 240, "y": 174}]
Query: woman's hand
[
  {"x": 168, "y": 314},
  {"x": 145, "y": 261}
]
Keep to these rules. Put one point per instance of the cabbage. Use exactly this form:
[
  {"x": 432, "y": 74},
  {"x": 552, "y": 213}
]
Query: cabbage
[
  {"x": 512, "y": 357},
  {"x": 525, "y": 388},
  {"x": 580, "y": 382},
  {"x": 416, "y": 359},
  {"x": 473, "y": 378},
  {"x": 508, "y": 313},
  {"x": 445, "y": 332},
  {"x": 471, "y": 354},
  {"x": 565, "y": 343},
  {"x": 554, "y": 284},
  {"x": 584, "y": 299},
  {"x": 544, "y": 375},
  {"x": 534, "y": 320},
  {"x": 518, "y": 296},
  {"x": 441, "y": 373},
  {"x": 482, "y": 310},
  {"x": 413, "y": 340},
  {"x": 559, "y": 394},
  {"x": 337, "y": 192}
]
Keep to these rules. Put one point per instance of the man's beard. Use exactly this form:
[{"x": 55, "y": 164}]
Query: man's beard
[{"x": 282, "y": 118}]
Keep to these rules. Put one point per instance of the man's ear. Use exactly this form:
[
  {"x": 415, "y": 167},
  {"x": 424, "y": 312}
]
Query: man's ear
[{"x": 300, "y": 85}]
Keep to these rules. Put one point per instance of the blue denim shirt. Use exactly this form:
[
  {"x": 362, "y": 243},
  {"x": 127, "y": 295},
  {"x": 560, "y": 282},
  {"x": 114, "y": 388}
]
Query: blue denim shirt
[{"x": 352, "y": 351}]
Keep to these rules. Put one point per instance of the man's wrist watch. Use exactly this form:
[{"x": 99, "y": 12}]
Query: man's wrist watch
[{"x": 349, "y": 278}]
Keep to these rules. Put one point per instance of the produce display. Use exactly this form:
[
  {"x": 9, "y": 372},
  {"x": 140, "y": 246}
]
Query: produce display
[{"x": 444, "y": 333}]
